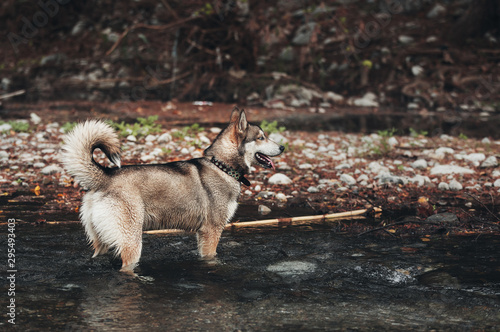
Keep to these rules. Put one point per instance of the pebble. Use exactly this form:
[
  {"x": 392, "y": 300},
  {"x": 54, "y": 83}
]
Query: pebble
[
  {"x": 450, "y": 169},
  {"x": 455, "y": 185},
  {"x": 441, "y": 152},
  {"x": 490, "y": 162},
  {"x": 5, "y": 127},
  {"x": 313, "y": 190},
  {"x": 35, "y": 118},
  {"x": 51, "y": 169},
  {"x": 279, "y": 178},
  {"x": 131, "y": 138},
  {"x": 443, "y": 186},
  {"x": 347, "y": 179},
  {"x": 4, "y": 155},
  {"x": 343, "y": 166},
  {"x": 443, "y": 218},
  {"x": 496, "y": 183},
  {"x": 263, "y": 210},
  {"x": 281, "y": 197},
  {"x": 151, "y": 138},
  {"x": 419, "y": 164},
  {"x": 164, "y": 138},
  {"x": 38, "y": 165}
]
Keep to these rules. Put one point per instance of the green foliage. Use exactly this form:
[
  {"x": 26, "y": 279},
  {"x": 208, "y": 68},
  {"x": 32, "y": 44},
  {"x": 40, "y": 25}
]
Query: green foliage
[
  {"x": 206, "y": 10},
  {"x": 271, "y": 127},
  {"x": 68, "y": 126},
  {"x": 190, "y": 131},
  {"x": 414, "y": 133},
  {"x": 387, "y": 133},
  {"x": 142, "y": 127},
  {"x": 462, "y": 136},
  {"x": 18, "y": 126},
  {"x": 383, "y": 148}
]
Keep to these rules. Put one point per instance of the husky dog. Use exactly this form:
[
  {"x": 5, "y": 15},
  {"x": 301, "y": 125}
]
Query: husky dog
[{"x": 198, "y": 195}]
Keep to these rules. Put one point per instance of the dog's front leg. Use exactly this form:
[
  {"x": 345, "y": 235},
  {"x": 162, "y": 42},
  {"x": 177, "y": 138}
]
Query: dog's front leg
[{"x": 208, "y": 237}]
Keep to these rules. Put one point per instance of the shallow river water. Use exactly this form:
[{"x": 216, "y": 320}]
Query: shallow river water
[{"x": 300, "y": 278}]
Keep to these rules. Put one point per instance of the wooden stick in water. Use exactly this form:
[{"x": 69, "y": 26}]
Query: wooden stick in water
[{"x": 279, "y": 221}]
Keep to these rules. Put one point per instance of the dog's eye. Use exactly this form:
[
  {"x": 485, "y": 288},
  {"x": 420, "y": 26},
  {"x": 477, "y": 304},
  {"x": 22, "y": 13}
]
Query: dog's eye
[{"x": 261, "y": 138}]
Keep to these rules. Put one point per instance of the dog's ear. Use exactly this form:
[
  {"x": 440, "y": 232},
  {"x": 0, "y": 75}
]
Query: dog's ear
[
  {"x": 239, "y": 118},
  {"x": 242, "y": 122},
  {"x": 235, "y": 115}
]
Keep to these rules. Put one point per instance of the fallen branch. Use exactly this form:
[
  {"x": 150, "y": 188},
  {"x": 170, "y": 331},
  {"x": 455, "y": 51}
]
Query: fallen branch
[
  {"x": 281, "y": 221},
  {"x": 12, "y": 94}
]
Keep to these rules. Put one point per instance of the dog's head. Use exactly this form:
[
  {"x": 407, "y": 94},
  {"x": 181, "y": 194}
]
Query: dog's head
[{"x": 243, "y": 144}]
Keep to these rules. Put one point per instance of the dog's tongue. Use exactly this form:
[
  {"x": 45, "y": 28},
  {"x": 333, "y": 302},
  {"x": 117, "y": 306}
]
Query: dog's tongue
[{"x": 268, "y": 162}]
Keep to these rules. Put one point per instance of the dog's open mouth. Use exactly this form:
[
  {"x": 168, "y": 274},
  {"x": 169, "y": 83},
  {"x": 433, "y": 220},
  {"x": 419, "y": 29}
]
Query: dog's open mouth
[{"x": 264, "y": 160}]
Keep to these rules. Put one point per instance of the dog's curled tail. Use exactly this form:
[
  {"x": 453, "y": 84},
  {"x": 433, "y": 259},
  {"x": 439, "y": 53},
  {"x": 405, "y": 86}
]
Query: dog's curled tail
[{"x": 79, "y": 145}]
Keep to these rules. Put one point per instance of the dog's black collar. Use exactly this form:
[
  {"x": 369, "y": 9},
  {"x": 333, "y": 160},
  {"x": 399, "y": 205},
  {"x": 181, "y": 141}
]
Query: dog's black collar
[{"x": 230, "y": 171}]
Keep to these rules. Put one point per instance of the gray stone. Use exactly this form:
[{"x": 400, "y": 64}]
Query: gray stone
[
  {"x": 280, "y": 178},
  {"x": 292, "y": 268},
  {"x": 443, "y": 186},
  {"x": 496, "y": 183},
  {"x": 303, "y": 34},
  {"x": 450, "y": 169},
  {"x": 313, "y": 190},
  {"x": 38, "y": 165},
  {"x": 455, "y": 185},
  {"x": 443, "y": 218},
  {"x": 419, "y": 164},
  {"x": 5, "y": 127},
  {"x": 490, "y": 162},
  {"x": 436, "y": 11},
  {"x": 51, "y": 169},
  {"x": 347, "y": 179},
  {"x": 405, "y": 40},
  {"x": 263, "y": 210}
]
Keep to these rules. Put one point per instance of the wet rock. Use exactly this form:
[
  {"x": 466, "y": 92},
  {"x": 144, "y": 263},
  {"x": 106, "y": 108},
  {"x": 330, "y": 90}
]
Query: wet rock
[
  {"x": 439, "y": 278},
  {"x": 347, "y": 179},
  {"x": 443, "y": 218},
  {"x": 419, "y": 164},
  {"x": 455, "y": 185},
  {"x": 51, "y": 169},
  {"x": 292, "y": 268},
  {"x": 263, "y": 210},
  {"x": 450, "y": 169},
  {"x": 490, "y": 162},
  {"x": 279, "y": 178}
]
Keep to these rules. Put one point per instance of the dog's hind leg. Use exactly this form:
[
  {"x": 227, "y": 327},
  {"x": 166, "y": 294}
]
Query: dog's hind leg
[
  {"x": 208, "y": 237},
  {"x": 86, "y": 216},
  {"x": 130, "y": 247}
]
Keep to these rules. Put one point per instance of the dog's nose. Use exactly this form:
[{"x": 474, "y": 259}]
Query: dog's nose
[{"x": 282, "y": 148}]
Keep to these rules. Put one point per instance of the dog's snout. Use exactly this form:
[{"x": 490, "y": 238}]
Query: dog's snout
[{"x": 282, "y": 148}]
